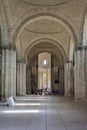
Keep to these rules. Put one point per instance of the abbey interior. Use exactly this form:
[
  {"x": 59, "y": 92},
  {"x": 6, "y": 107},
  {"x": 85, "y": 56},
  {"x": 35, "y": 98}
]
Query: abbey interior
[{"x": 43, "y": 50}]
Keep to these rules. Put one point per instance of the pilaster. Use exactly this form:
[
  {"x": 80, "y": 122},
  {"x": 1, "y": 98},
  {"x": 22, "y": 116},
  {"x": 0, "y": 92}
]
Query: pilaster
[
  {"x": 61, "y": 80},
  {"x": 80, "y": 73},
  {"x": 8, "y": 69},
  {"x": 28, "y": 80},
  {"x": 21, "y": 77},
  {"x": 67, "y": 77}
]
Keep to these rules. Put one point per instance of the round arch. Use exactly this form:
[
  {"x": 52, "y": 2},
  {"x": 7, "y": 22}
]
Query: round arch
[
  {"x": 85, "y": 28},
  {"x": 57, "y": 18},
  {"x": 45, "y": 50},
  {"x": 47, "y": 40},
  {"x": 61, "y": 60}
]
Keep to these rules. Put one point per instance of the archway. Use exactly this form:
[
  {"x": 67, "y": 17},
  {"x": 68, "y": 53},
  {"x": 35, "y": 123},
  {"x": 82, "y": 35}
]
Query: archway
[
  {"x": 38, "y": 31},
  {"x": 57, "y": 66},
  {"x": 85, "y": 30}
]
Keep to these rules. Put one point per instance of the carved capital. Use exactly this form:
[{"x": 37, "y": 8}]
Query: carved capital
[
  {"x": 22, "y": 60},
  {"x": 69, "y": 61},
  {"x": 9, "y": 47},
  {"x": 81, "y": 48}
]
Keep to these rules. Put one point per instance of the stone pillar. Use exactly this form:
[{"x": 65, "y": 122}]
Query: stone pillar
[
  {"x": 8, "y": 76},
  {"x": 80, "y": 73},
  {"x": 3, "y": 74},
  {"x": 61, "y": 80},
  {"x": 18, "y": 79},
  {"x": 67, "y": 78},
  {"x": 0, "y": 71},
  {"x": 21, "y": 77},
  {"x": 76, "y": 75},
  {"x": 14, "y": 73},
  {"x": 83, "y": 75},
  {"x": 40, "y": 80},
  {"x": 24, "y": 79},
  {"x": 86, "y": 75},
  {"x": 28, "y": 80}
]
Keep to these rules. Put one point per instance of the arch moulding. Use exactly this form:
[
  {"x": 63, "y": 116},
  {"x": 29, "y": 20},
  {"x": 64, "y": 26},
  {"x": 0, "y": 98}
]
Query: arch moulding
[
  {"x": 47, "y": 40},
  {"x": 24, "y": 21}
]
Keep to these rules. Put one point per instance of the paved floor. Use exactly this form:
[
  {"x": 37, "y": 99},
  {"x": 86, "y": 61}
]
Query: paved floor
[{"x": 44, "y": 113}]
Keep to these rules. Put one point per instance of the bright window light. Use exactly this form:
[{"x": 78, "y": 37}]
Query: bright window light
[
  {"x": 30, "y": 99},
  {"x": 28, "y": 104},
  {"x": 21, "y": 111},
  {"x": 45, "y": 62}
]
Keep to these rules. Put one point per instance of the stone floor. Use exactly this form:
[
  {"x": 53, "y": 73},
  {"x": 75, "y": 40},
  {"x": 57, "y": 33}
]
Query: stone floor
[{"x": 44, "y": 113}]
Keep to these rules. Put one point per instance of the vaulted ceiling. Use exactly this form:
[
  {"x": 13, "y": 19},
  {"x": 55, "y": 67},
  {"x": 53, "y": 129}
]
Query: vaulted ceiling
[
  {"x": 45, "y": 24},
  {"x": 44, "y": 28}
]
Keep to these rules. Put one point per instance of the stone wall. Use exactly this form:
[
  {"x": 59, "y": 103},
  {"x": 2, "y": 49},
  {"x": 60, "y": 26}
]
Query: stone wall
[{"x": 80, "y": 73}]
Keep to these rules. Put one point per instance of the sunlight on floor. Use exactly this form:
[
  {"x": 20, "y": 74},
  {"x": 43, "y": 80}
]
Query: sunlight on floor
[
  {"x": 20, "y": 111},
  {"x": 29, "y": 99},
  {"x": 28, "y": 104}
]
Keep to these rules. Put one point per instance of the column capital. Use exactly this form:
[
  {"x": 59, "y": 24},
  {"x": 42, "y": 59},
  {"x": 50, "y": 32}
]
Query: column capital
[
  {"x": 69, "y": 61},
  {"x": 81, "y": 48},
  {"x": 22, "y": 60},
  {"x": 10, "y": 47},
  {"x": 61, "y": 68},
  {"x": 28, "y": 67}
]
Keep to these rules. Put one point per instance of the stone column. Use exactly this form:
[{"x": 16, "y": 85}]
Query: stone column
[
  {"x": 9, "y": 69},
  {"x": 3, "y": 74},
  {"x": 0, "y": 71},
  {"x": 8, "y": 78},
  {"x": 76, "y": 75},
  {"x": 18, "y": 78},
  {"x": 21, "y": 77},
  {"x": 61, "y": 80},
  {"x": 86, "y": 74},
  {"x": 67, "y": 78},
  {"x": 24, "y": 79},
  {"x": 52, "y": 78},
  {"x": 14, "y": 73},
  {"x": 28, "y": 80},
  {"x": 80, "y": 73},
  {"x": 40, "y": 80},
  {"x": 83, "y": 75}
]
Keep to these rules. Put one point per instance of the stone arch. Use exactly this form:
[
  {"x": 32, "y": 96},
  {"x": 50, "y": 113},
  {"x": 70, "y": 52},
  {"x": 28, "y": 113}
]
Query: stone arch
[
  {"x": 23, "y": 22},
  {"x": 60, "y": 58},
  {"x": 85, "y": 29},
  {"x": 49, "y": 40},
  {"x": 59, "y": 61},
  {"x": 59, "y": 19},
  {"x": 45, "y": 50}
]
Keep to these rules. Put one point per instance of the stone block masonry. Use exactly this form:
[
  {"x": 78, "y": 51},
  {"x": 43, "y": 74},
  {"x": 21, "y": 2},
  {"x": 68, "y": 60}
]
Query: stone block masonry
[
  {"x": 8, "y": 85},
  {"x": 21, "y": 78},
  {"x": 80, "y": 73}
]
